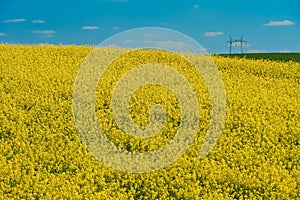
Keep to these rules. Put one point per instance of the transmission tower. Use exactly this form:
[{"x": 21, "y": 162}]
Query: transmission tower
[{"x": 233, "y": 43}]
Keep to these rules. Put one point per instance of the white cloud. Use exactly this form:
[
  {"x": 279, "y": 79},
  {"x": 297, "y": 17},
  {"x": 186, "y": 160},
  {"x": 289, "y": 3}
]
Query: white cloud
[
  {"x": 167, "y": 44},
  {"x": 129, "y": 41},
  {"x": 196, "y": 6},
  {"x": 212, "y": 34},
  {"x": 257, "y": 51},
  {"x": 90, "y": 27},
  {"x": 46, "y": 32},
  {"x": 113, "y": 45},
  {"x": 14, "y": 20},
  {"x": 37, "y": 21},
  {"x": 148, "y": 35},
  {"x": 2, "y": 34},
  {"x": 286, "y": 51},
  {"x": 238, "y": 44},
  {"x": 170, "y": 43},
  {"x": 280, "y": 23}
]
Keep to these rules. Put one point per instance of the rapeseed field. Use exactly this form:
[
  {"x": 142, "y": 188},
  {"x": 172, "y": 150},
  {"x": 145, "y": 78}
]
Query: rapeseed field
[{"x": 42, "y": 156}]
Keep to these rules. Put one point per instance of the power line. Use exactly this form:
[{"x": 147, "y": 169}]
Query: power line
[{"x": 241, "y": 42}]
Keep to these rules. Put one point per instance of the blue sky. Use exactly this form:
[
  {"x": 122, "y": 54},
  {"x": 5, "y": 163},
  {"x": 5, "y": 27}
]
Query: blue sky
[{"x": 266, "y": 26}]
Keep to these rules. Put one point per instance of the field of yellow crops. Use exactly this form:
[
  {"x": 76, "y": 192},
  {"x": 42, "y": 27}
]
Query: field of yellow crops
[{"x": 42, "y": 156}]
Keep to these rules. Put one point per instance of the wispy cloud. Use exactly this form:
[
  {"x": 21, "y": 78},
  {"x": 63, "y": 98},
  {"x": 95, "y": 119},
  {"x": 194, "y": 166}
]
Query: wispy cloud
[
  {"x": 286, "y": 51},
  {"x": 114, "y": 45},
  {"x": 171, "y": 44},
  {"x": 280, "y": 23},
  {"x": 238, "y": 44},
  {"x": 90, "y": 27},
  {"x": 213, "y": 34},
  {"x": 196, "y": 6},
  {"x": 167, "y": 44},
  {"x": 115, "y": 27},
  {"x": 257, "y": 51},
  {"x": 13, "y": 20},
  {"x": 2, "y": 34},
  {"x": 46, "y": 32},
  {"x": 37, "y": 21},
  {"x": 148, "y": 35},
  {"x": 129, "y": 41}
]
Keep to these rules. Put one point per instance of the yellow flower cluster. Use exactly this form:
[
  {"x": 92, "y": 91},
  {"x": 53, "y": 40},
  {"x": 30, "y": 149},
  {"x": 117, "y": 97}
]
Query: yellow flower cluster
[
  {"x": 42, "y": 156},
  {"x": 145, "y": 97}
]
